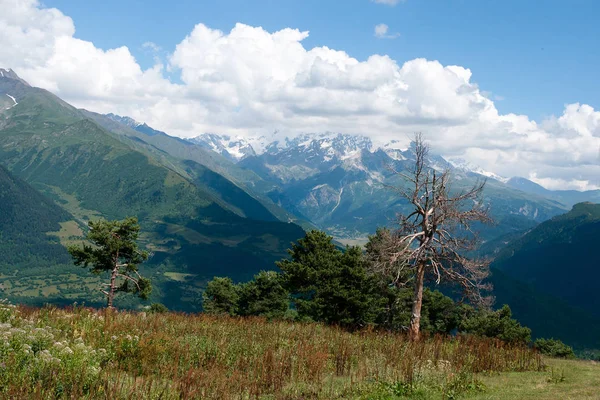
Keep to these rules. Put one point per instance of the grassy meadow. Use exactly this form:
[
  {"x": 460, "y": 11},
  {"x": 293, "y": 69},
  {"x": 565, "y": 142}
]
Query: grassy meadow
[{"x": 50, "y": 353}]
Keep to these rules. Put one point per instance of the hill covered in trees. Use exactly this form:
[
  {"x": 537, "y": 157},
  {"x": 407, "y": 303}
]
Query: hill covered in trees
[
  {"x": 27, "y": 221},
  {"x": 560, "y": 257}
]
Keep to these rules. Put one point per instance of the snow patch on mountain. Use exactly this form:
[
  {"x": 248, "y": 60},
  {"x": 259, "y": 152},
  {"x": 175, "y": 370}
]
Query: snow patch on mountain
[
  {"x": 467, "y": 166},
  {"x": 235, "y": 148},
  {"x": 327, "y": 148},
  {"x": 13, "y": 99}
]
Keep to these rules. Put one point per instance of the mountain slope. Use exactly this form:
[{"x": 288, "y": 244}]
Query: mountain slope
[
  {"x": 26, "y": 220},
  {"x": 546, "y": 314},
  {"x": 92, "y": 172},
  {"x": 179, "y": 150},
  {"x": 567, "y": 197},
  {"x": 560, "y": 257}
]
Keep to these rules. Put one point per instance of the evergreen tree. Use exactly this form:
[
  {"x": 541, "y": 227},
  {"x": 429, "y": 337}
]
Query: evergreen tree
[
  {"x": 221, "y": 297},
  {"x": 329, "y": 285},
  {"x": 114, "y": 249},
  {"x": 264, "y": 295},
  {"x": 496, "y": 324}
]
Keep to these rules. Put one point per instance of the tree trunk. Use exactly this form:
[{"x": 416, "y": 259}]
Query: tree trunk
[
  {"x": 111, "y": 289},
  {"x": 415, "y": 320}
]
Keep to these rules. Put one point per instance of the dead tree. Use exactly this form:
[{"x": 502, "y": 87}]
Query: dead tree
[{"x": 431, "y": 239}]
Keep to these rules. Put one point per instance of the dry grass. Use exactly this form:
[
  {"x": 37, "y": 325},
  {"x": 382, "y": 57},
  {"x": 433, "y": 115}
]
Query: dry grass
[{"x": 177, "y": 356}]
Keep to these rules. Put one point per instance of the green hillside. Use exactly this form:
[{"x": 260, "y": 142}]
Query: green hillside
[
  {"x": 560, "y": 257},
  {"x": 197, "y": 159},
  {"x": 196, "y": 222},
  {"x": 26, "y": 219},
  {"x": 546, "y": 314},
  {"x": 549, "y": 275}
]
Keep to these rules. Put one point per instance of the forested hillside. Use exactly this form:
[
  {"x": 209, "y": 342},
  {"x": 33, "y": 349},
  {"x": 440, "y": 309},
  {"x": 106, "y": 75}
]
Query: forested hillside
[
  {"x": 560, "y": 257},
  {"x": 27, "y": 218}
]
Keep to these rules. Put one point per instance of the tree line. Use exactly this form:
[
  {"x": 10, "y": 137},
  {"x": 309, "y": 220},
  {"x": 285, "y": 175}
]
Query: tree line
[{"x": 319, "y": 282}]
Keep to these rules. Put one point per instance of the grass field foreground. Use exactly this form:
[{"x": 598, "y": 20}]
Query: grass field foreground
[{"x": 85, "y": 353}]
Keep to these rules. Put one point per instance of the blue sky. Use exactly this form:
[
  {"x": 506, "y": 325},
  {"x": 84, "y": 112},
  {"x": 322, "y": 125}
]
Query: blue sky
[{"x": 534, "y": 55}]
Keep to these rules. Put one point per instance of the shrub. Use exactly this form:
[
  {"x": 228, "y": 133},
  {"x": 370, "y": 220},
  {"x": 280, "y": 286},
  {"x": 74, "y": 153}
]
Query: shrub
[
  {"x": 157, "y": 308},
  {"x": 495, "y": 324},
  {"x": 554, "y": 348}
]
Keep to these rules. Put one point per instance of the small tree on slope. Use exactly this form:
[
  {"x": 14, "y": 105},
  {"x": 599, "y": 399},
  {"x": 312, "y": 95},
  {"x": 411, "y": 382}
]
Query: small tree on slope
[
  {"x": 430, "y": 241},
  {"x": 114, "y": 249}
]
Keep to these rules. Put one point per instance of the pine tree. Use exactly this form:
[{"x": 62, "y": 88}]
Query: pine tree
[{"x": 114, "y": 249}]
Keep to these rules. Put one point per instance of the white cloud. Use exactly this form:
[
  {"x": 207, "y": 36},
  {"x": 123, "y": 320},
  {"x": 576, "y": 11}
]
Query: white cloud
[
  {"x": 151, "y": 46},
  {"x": 388, "y": 2},
  {"x": 381, "y": 32},
  {"x": 250, "y": 81}
]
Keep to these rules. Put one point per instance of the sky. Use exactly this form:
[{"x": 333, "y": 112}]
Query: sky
[{"x": 510, "y": 86}]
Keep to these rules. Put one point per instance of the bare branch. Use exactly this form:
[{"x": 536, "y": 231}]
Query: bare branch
[{"x": 436, "y": 233}]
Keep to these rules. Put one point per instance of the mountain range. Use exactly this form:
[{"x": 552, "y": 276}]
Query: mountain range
[{"x": 342, "y": 183}]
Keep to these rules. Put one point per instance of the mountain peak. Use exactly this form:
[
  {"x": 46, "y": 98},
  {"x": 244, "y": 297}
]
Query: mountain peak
[
  {"x": 10, "y": 74},
  {"x": 130, "y": 122},
  {"x": 233, "y": 148}
]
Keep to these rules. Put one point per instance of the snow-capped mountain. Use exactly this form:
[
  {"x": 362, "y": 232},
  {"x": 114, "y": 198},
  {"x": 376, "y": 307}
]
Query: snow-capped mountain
[
  {"x": 341, "y": 183},
  {"x": 233, "y": 148},
  {"x": 135, "y": 125},
  {"x": 467, "y": 166},
  {"x": 10, "y": 97},
  {"x": 10, "y": 74}
]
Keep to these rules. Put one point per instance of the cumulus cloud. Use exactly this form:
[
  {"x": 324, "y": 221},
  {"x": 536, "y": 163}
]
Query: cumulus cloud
[{"x": 250, "y": 81}]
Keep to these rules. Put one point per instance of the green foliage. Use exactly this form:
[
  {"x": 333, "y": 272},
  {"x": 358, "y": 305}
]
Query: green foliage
[
  {"x": 554, "y": 348},
  {"x": 26, "y": 218},
  {"x": 439, "y": 313},
  {"x": 34, "y": 354},
  {"x": 460, "y": 384},
  {"x": 157, "y": 308},
  {"x": 542, "y": 256},
  {"x": 329, "y": 285},
  {"x": 220, "y": 297},
  {"x": 264, "y": 295},
  {"x": 496, "y": 324},
  {"x": 114, "y": 249}
]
